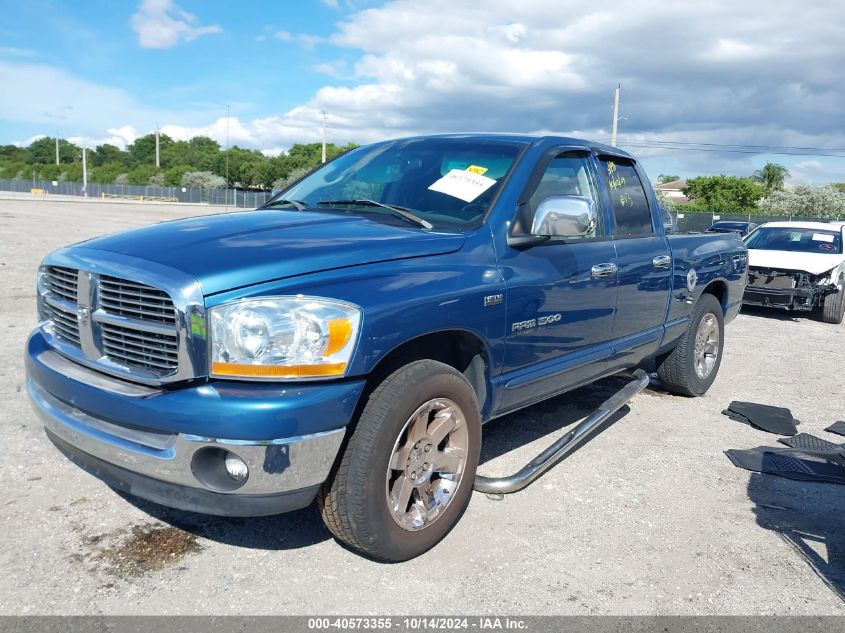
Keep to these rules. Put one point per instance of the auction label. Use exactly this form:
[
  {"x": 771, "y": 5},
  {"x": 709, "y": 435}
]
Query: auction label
[{"x": 463, "y": 184}]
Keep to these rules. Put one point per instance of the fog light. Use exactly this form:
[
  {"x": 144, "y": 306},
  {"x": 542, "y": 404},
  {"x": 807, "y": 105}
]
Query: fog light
[{"x": 236, "y": 468}]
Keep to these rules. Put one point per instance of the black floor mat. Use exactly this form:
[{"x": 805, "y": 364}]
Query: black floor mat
[
  {"x": 837, "y": 427},
  {"x": 811, "y": 443},
  {"x": 789, "y": 463},
  {"x": 777, "y": 420}
]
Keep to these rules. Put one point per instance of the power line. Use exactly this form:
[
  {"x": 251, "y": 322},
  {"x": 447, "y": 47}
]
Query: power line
[
  {"x": 723, "y": 150},
  {"x": 737, "y": 148}
]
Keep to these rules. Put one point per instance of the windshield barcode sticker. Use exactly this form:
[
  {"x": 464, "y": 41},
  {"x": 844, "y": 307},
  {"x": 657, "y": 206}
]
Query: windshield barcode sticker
[
  {"x": 461, "y": 184},
  {"x": 822, "y": 237}
]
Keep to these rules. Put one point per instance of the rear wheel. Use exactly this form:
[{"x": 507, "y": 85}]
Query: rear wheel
[
  {"x": 692, "y": 366},
  {"x": 406, "y": 474},
  {"x": 833, "y": 308}
]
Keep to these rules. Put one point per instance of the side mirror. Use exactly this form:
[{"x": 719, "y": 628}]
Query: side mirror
[{"x": 565, "y": 216}]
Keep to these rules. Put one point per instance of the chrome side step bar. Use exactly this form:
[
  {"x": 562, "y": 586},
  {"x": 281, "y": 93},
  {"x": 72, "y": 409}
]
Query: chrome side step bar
[{"x": 565, "y": 445}]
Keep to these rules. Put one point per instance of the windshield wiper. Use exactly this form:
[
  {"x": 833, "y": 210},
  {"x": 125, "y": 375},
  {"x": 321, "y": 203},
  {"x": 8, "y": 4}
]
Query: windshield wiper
[
  {"x": 299, "y": 205},
  {"x": 401, "y": 212}
]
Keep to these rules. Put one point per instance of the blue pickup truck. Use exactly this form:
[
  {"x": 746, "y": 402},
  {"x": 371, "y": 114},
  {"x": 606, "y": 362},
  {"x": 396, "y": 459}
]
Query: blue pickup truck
[{"x": 347, "y": 341}]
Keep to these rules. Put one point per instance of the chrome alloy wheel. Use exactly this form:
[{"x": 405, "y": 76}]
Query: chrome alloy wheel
[
  {"x": 427, "y": 464},
  {"x": 706, "y": 345}
]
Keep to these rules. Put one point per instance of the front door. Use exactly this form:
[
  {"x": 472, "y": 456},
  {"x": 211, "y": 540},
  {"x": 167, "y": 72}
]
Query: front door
[{"x": 561, "y": 294}]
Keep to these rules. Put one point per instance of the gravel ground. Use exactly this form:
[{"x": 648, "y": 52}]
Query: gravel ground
[{"x": 648, "y": 518}]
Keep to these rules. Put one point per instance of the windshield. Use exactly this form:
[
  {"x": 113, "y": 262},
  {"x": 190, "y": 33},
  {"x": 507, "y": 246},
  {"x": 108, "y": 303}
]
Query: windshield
[
  {"x": 445, "y": 181},
  {"x": 795, "y": 239},
  {"x": 729, "y": 226}
]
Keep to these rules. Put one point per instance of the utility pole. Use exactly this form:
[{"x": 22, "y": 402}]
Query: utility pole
[
  {"x": 226, "y": 190},
  {"x": 324, "y": 136},
  {"x": 158, "y": 153},
  {"x": 615, "y": 127},
  {"x": 57, "y": 148},
  {"x": 84, "y": 173}
]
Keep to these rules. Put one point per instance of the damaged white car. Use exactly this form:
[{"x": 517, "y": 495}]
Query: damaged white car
[{"x": 797, "y": 266}]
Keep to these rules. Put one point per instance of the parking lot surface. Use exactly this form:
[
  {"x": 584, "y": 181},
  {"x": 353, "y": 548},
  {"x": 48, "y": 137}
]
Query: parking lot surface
[{"x": 649, "y": 517}]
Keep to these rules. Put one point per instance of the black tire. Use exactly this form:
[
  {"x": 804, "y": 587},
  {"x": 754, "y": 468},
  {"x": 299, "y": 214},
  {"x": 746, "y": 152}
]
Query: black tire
[
  {"x": 353, "y": 501},
  {"x": 833, "y": 309},
  {"x": 677, "y": 370}
]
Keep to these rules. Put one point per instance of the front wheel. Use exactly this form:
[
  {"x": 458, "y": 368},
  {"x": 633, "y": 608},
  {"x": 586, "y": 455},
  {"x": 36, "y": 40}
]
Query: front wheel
[
  {"x": 833, "y": 309},
  {"x": 406, "y": 474},
  {"x": 692, "y": 366}
]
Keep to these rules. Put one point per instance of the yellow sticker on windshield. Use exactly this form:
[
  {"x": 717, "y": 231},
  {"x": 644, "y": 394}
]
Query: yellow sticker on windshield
[{"x": 476, "y": 169}]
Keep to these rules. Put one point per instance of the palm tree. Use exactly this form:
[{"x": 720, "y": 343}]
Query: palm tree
[{"x": 771, "y": 177}]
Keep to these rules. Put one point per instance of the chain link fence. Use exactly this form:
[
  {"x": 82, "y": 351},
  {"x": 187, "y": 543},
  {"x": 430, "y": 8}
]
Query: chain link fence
[
  {"x": 196, "y": 195},
  {"x": 697, "y": 222}
]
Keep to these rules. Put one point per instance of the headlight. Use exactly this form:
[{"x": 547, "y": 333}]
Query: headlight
[{"x": 285, "y": 337}]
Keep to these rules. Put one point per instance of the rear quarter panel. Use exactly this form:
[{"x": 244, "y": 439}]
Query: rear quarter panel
[{"x": 718, "y": 259}]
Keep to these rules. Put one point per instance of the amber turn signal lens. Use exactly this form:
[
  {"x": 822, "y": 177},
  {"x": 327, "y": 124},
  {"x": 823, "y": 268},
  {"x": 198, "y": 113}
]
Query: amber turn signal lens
[{"x": 277, "y": 371}]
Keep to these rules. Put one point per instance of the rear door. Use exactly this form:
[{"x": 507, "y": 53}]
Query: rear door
[{"x": 644, "y": 260}]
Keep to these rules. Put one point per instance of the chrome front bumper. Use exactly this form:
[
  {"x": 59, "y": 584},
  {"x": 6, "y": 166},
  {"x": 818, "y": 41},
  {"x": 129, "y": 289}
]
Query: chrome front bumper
[{"x": 146, "y": 459}]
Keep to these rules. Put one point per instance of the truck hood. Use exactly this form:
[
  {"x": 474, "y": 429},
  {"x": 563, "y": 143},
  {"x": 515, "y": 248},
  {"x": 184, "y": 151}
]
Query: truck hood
[
  {"x": 232, "y": 250},
  {"x": 813, "y": 263}
]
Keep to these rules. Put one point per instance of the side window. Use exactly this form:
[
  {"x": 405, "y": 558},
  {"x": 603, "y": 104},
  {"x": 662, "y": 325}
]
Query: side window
[
  {"x": 627, "y": 197},
  {"x": 566, "y": 175}
]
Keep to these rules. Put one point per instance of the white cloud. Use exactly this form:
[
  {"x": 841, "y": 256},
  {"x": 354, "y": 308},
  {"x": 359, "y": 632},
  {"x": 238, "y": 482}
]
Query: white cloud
[
  {"x": 746, "y": 73},
  {"x": 162, "y": 24}
]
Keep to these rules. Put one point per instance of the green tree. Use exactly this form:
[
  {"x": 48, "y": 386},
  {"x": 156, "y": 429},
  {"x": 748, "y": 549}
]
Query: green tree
[
  {"x": 173, "y": 176},
  {"x": 43, "y": 150},
  {"x": 204, "y": 179},
  {"x": 141, "y": 174},
  {"x": 807, "y": 201},
  {"x": 771, "y": 177},
  {"x": 108, "y": 154},
  {"x": 664, "y": 178},
  {"x": 723, "y": 194},
  {"x": 107, "y": 174},
  {"x": 143, "y": 150}
]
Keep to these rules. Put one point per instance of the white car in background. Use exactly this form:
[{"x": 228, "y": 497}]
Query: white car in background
[{"x": 797, "y": 266}]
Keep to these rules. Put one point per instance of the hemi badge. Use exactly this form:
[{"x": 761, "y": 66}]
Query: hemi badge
[{"x": 493, "y": 300}]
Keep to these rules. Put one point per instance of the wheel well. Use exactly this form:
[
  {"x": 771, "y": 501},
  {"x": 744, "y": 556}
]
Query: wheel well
[
  {"x": 718, "y": 289},
  {"x": 457, "y": 348}
]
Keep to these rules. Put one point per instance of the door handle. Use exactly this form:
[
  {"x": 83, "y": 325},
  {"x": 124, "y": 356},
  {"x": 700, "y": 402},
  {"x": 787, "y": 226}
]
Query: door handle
[
  {"x": 661, "y": 261},
  {"x": 603, "y": 270}
]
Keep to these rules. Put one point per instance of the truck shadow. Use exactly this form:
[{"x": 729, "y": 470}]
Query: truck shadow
[
  {"x": 514, "y": 430},
  {"x": 778, "y": 314},
  {"x": 293, "y": 530},
  {"x": 303, "y": 528},
  {"x": 808, "y": 517}
]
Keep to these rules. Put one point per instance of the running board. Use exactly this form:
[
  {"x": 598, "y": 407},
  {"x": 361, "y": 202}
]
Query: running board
[{"x": 565, "y": 445}]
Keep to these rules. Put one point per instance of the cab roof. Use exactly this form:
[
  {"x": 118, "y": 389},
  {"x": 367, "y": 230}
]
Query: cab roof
[{"x": 530, "y": 139}]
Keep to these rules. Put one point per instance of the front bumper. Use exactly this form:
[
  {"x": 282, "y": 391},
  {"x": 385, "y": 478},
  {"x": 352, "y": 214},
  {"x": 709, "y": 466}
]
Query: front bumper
[
  {"x": 168, "y": 446},
  {"x": 802, "y": 299}
]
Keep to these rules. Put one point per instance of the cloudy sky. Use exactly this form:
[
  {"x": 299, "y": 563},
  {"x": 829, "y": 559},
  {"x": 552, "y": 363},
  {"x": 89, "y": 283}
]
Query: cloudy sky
[{"x": 760, "y": 77}]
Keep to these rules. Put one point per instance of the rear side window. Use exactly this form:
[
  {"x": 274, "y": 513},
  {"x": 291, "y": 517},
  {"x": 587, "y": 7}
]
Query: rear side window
[{"x": 627, "y": 197}]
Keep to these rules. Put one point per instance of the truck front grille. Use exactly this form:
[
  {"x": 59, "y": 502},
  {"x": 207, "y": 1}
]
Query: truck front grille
[
  {"x": 150, "y": 351},
  {"x": 65, "y": 324},
  {"x": 129, "y": 323},
  {"x": 135, "y": 301},
  {"x": 62, "y": 282}
]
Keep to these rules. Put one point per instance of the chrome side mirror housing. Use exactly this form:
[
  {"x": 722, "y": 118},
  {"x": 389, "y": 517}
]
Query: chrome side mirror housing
[{"x": 565, "y": 216}]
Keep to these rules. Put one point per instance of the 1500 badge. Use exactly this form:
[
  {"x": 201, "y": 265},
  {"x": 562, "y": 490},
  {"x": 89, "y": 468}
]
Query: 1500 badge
[{"x": 523, "y": 326}]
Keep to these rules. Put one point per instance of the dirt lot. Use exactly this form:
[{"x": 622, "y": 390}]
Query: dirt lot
[{"x": 648, "y": 518}]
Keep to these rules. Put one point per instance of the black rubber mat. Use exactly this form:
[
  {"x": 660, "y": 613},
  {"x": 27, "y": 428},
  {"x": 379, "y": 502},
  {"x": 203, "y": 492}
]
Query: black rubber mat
[
  {"x": 789, "y": 463},
  {"x": 811, "y": 443},
  {"x": 776, "y": 420},
  {"x": 837, "y": 427}
]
